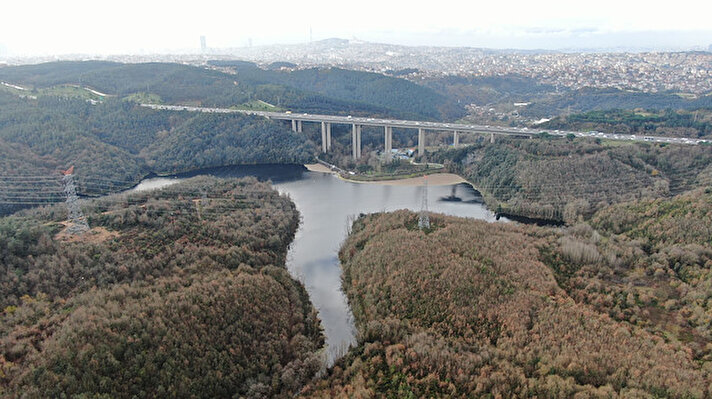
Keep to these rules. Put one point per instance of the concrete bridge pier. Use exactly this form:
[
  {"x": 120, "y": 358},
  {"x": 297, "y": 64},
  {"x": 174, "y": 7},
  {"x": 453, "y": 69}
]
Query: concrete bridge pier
[
  {"x": 421, "y": 141},
  {"x": 294, "y": 125},
  {"x": 323, "y": 137},
  {"x": 299, "y": 126},
  {"x": 388, "y": 142},
  {"x": 356, "y": 141},
  {"x": 328, "y": 136},
  {"x": 455, "y": 139},
  {"x": 492, "y": 138}
]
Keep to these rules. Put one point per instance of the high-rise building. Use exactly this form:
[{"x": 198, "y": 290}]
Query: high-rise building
[{"x": 203, "y": 45}]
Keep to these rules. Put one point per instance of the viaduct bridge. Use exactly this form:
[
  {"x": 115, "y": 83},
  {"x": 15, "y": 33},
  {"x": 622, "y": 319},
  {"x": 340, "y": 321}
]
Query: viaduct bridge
[{"x": 356, "y": 123}]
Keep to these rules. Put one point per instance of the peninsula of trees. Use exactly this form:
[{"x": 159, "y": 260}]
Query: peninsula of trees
[
  {"x": 171, "y": 294},
  {"x": 565, "y": 179},
  {"x": 469, "y": 309}
]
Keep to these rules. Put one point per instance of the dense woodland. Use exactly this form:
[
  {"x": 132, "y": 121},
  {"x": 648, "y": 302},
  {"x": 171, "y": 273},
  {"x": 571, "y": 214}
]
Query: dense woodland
[
  {"x": 179, "y": 292},
  {"x": 654, "y": 268},
  {"x": 697, "y": 123},
  {"x": 493, "y": 90},
  {"x": 470, "y": 309},
  {"x": 171, "y": 83},
  {"x": 334, "y": 91},
  {"x": 591, "y": 99},
  {"x": 563, "y": 179},
  {"x": 182, "y": 292},
  {"x": 114, "y": 144},
  {"x": 402, "y": 98},
  {"x": 545, "y": 101}
]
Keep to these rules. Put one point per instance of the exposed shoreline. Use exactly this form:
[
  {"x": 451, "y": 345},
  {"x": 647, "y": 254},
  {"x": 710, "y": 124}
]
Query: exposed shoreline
[
  {"x": 318, "y": 167},
  {"x": 435, "y": 179}
]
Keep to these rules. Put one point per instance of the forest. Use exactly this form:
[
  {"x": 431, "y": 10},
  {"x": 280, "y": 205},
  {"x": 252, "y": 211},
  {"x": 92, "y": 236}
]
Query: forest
[
  {"x": 334, "y": 90},
  {"x": 171, "y": 83},
  {"x": 654, "y": 268},
  {"x": 591, "y": 99},
  {"x": 565, "y": 179},
  {"x": 491, "y": 90},
  {"x": 330, "y": 91},
  {"x": 179, "y": 292},
  {"x": 475, "y": 309},
  {"x": 403, "y": 99},
  {"x": 183, "y": 291},
  {"x": 680, "y": 123},
  {"x": 114, "y": 144},
  {"x": 546, "y": 101}
]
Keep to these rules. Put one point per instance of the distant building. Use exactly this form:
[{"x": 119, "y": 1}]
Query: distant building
[{"x": 203, "y": 45}]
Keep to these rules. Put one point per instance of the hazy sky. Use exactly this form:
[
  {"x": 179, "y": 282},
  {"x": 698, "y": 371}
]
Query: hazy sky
[{"x": 130, "y": 26}]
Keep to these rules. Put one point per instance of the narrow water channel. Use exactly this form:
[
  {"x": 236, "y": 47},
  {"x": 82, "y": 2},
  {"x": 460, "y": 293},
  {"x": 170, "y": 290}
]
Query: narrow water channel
[{"x": 326, "y": 204}]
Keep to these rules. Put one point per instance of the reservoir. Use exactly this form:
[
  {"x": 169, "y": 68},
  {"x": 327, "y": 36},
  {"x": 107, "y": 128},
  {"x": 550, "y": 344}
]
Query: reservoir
[{"x": 327, "y": 204}]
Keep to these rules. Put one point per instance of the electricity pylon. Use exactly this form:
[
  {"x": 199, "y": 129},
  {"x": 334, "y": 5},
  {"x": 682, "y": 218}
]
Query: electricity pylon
[
  {"x": 424, "y": 218},
  {"x": 77, "y": 222}
]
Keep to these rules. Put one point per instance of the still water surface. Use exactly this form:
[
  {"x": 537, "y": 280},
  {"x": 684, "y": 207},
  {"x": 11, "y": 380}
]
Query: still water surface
[{"x": 326, "y": 203}]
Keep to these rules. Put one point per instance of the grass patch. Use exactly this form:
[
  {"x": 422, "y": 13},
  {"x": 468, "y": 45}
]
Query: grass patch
[
  {"x": 65, "y": 91},
  {"x": 144, "y": 98},
  {"x": 257, "y": 105},
  {"x": 396, "y": 171}
]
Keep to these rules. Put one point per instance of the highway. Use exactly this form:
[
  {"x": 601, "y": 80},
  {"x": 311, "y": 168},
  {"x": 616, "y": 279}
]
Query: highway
[{"x": 437, "y": 126}]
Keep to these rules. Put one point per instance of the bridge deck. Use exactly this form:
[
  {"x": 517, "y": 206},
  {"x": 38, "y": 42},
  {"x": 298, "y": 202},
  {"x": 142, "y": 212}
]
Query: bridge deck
[{"x": 408, "y": 124}]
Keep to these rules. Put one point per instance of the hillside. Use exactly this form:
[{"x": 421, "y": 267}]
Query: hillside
[
  {"x": 116, "y": 143},
  {"x": 399, "y": 97},
  {"x": 547, "y": 100},
  {"x": 680, "y": 123},
  {"x": 170, "y": 83},
  {"x": 654, "y": 268},
  {"x": 560, "y": 179},
  {"x": 172, "y": 293},
  {"x": 473, "y": 309},
  {"x": 602, "y": 99},
  {"x": 493, "y": 90},
  {"x": 334, "y": 91}
]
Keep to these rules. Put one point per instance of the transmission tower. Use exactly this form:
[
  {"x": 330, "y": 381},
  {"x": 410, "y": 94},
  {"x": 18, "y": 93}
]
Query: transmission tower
[
  {"x": 424, "y": 219},
  {"x": 77, "y": 222},
  {"x": 203, "y": 202}
]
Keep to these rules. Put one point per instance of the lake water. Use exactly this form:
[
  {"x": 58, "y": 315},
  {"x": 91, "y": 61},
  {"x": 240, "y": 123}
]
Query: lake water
[{"x": 326, "y": 203}]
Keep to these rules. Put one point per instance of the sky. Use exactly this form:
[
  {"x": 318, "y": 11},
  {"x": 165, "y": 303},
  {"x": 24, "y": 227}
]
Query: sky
[{"x": 33, "y": 27}]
